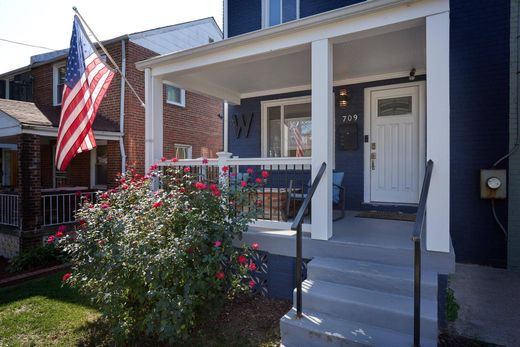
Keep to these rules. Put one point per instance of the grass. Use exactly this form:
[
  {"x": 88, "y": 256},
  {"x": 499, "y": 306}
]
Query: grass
[{"x": 42, "y": 313}]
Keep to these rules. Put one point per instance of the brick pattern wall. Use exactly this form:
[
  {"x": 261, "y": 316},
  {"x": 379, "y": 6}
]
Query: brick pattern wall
[
  {"x": 114, "y": 163},
  {"x": 29, "y": 179}
]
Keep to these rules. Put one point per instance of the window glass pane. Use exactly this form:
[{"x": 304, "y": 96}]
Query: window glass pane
[
  {"x": 289, "y": 10},
  {"x": 101, "y": 165},
  {"x": 62, "y": 72},
  {"x": 274, "y": 137},
  {"x": 182, "y": 152},
  {"x": 298, "y": 127},
  {"x": 394, "y": 106},
  {"x": 274, "y": 12},
  {"x": 173, "y": 94}
]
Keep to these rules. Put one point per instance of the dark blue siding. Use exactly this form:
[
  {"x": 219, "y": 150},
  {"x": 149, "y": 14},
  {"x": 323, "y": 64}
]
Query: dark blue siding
[
  {"x": 244, "y": 16},
  {"x": 479, "y": 97},
  {"x": 311, "y": 7}
]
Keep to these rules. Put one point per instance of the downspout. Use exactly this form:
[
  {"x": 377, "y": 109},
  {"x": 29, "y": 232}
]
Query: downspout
[{"x": 122, "y": 108}]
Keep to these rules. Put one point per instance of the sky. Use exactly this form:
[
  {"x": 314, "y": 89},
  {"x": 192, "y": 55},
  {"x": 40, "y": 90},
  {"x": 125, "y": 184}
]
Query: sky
[{"x": 48, "y": 23}]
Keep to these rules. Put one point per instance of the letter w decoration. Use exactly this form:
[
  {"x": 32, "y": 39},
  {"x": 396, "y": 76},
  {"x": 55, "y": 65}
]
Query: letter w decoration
[{"x": 242, "y": 124}]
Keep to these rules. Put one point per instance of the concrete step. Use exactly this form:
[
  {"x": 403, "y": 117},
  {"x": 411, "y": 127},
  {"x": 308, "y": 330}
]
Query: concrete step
[
  {"x": 374, "y": 276},
  {"x": 316, "y": 329},
  {"x": 389, "y": 311}
]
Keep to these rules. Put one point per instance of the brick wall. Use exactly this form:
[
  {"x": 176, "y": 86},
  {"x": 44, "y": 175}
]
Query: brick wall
[
  {"x": 114, "y": 163},
  {"x": 29, "y": 179}
]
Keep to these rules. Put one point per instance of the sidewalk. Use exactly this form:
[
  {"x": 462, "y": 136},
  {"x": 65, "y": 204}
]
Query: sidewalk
[{"x": 489, "y": 301}]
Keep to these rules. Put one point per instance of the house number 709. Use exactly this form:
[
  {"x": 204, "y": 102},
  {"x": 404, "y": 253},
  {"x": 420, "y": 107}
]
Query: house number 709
[{"x": 350, "y": 118}]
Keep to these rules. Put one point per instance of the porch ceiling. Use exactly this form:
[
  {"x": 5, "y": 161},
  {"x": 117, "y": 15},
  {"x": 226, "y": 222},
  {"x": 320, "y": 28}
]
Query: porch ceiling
[{"x": 373, "y": 55}]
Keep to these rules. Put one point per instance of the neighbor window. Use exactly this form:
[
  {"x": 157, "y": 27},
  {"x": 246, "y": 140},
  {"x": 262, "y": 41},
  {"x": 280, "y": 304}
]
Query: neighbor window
[
  {"x": 287, "y": 128},
  {"x": 59, "y": 178},
  {"x": 9, "y": 167},
  {"x": 101, "y": 166},
  {"x": 276, "y": 12},
  {"x": 175, "y": 95},
  {"x": 59, "y": 72},
  {"x": 183, "y": 151}
]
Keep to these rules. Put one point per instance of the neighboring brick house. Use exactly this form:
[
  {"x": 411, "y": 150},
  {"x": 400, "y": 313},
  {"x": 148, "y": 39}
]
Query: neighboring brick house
[{"x": 35, "y": 197}]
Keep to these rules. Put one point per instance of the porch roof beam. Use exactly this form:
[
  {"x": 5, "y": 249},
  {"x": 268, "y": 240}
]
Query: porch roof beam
[
  {"x": 205, "y": 87},
  {"x": 349, "y": 20}
]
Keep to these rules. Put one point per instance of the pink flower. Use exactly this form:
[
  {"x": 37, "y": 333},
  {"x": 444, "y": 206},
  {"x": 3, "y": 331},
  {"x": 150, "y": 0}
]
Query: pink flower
[
  {"x": 218, "y": 243},
  {"x": 220, "y": 275},
  {"x": 62, "y": 228},
  {"x": 104, "y": 195},
  {"x": 187, "y": 169},
  {"x": 225, "y": 169},
  {"x": 154, "y": 167},
  {"x": 50, "y": 239},
  {"x": 66, "y": 276},
  {"x": 59, "y": 234},
  {"x": 265, "y": 174},
  {"x": 105, "y": 206},
  {"x": 255, "y": 246},
  {"x": 163, "y": 159},
  {"x": 242, "y": 259},
  {"x": 252, "y": 266},
  {"x": 259, "y": 181},
  {"x": 78, "y": 194},
  {"x": 200, "y": 185},
  {"x": 213, "y": 186},
  {"x": 252, "y": 284},
  {"x": 243, "y": 183},
  {"x": 157, "y": 204},
  {"x": 204, "y": 161},
  {"x": 216, "y": 193},
  {"x": 250, "y": 170},
  {"x": 174, "y": 160},
  {"x": 233, "y": 174}
]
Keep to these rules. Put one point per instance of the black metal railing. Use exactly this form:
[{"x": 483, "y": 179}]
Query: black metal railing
[
  {"x": 297, "y": 225},
  {"x": 416, "y": 238}
]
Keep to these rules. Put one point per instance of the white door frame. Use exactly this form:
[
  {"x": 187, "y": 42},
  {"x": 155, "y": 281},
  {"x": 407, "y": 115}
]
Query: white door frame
[{"x": 367, "y": 114}]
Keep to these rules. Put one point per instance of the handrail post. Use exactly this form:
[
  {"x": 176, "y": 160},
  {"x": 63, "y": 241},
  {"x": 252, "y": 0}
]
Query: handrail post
[
  {"x": 417, "y": 294},
  {"x": 299, "y": 271}
]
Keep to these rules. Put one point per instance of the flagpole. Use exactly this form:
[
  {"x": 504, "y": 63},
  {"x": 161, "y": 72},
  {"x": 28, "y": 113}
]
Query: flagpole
[{"x": 108, "y": 55}]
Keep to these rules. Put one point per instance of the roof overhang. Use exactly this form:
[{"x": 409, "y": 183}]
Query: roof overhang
[{"x": 17, "y": 129}]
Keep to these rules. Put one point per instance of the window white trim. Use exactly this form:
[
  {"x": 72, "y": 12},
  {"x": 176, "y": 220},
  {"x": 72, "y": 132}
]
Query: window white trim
[
  {"x": 93, "y": 157},
  {"x": 278, "y": 102},
  {"x": 265, "y": 12},
  {"x": 189, "y": 149},
  {"x": 183, "y": 95},
  {"x": 55, "y": 78}
]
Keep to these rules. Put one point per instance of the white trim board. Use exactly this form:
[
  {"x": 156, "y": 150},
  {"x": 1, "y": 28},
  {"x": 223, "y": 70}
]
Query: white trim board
[{"x": 367, "y": 131}]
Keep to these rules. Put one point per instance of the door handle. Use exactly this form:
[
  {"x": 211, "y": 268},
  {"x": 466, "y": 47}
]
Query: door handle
[{"x": 373, "y": 164}]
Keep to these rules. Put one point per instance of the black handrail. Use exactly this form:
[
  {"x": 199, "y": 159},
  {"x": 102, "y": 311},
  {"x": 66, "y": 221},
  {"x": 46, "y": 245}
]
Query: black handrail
[
  {"x": 297, "y": 225},
  {"x": 416, "y": 238}
]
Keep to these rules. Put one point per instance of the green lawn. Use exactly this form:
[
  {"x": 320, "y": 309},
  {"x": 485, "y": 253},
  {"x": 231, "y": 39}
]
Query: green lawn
[{"x": 42, "y": 313}]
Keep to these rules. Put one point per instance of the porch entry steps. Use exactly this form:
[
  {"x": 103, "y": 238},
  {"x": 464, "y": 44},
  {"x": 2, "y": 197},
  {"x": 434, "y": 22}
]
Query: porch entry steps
[{"x": 360, "y": 303}]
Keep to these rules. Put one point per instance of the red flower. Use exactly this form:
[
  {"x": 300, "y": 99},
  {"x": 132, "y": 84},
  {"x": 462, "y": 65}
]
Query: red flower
[
  {"x": 259, "y": 181},
  {"x": 218, "y": 243},
  {"x": 252, "y": 266},
  {"x": 163, "y": 159},
  {"x": 59, "y": 234},
  {"x": 252, "y": 284},
  {"x": 154, "y": 167},
  {"x": 104, "y": 195},
  {"x": 157, "y": 204},
  {"x": 242, "y": 259},
  {"x": 174, "y": 160},
  {"x": 189, "y": 250},
  {"x": 243, "y": 183},
  {"x": 225, "y": 169},
  {"x": 78, "y": 194},
  {"x": 101, "y": 243},
  {"x": 265, "y": 174},
  {"x": 216, "y": 193},
  {"x": 233, "y": 174},
  {"x": 204, "y": 161},
  {"x": 182, "y": 190},
  {"x": 258, "y": 203},
  {"x": 122, "y": 180},
  {"x": 255, "y": 246},
  {"x": 50, "y": 239},
  {"x": 250, "y": 170},
  {"x": 82, "y": 222},
  {"x": 220, "y": 275},
  {"x": 187, "y": 169},
  {"x": 66, "y": 276},
  {"x": 200, "y": 185},
  {"x": 62, "y": 228},
  {"x": 105, "y": 206},
  {"x": 124, "y": 187},
  {"x": 213, "y": 186}
]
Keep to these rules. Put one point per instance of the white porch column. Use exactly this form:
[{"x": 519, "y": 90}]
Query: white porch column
[
  {"x": 226, "y": 126},
  {"x": 438, "y": 131},
  {"x": 153, "y": 88},
  {"x": 322, "y": 132}
]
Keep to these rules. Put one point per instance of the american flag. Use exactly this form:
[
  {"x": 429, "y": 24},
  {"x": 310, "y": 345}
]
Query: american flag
[
  {"x": 86, "y": 81},
  {"x": 298, "y": 139}
]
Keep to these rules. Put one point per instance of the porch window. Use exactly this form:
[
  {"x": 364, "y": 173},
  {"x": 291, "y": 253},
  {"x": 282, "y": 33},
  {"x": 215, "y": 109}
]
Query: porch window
[
  {"x": 9, "y": 167},
  {"x": 276, "y": 12},
  {"x": 287, "y": 128},
  {"x": 59, "y": 72},
  {"x": 175, "y": 95},
  {"x": 59, "y": 178},
  {"x": 183, "y": 151}
]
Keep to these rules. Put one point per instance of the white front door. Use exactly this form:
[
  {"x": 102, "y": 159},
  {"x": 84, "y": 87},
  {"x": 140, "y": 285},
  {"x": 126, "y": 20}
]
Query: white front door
[{"x": 395, "y": 145}]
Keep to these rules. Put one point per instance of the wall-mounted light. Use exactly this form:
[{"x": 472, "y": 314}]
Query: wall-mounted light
[
  {"x": 343, "y": 97},
  {"x": 412, "y": 74}
]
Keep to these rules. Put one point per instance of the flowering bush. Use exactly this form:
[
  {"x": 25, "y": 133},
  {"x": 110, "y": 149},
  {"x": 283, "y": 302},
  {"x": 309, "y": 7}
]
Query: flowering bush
[{"x": 155, "y": 262}]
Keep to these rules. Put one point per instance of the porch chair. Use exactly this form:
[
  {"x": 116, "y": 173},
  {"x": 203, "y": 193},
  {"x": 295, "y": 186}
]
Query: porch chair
[{"x": 338, "y": 195}]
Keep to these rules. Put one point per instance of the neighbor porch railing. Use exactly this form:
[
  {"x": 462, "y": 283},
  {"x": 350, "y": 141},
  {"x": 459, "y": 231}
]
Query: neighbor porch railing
[
  {"x": 416, "y": 238},
  {"x": 272, "y": 194},
  {"x": 60, "y": 207},
  {"x": 9, "y": 209}
]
